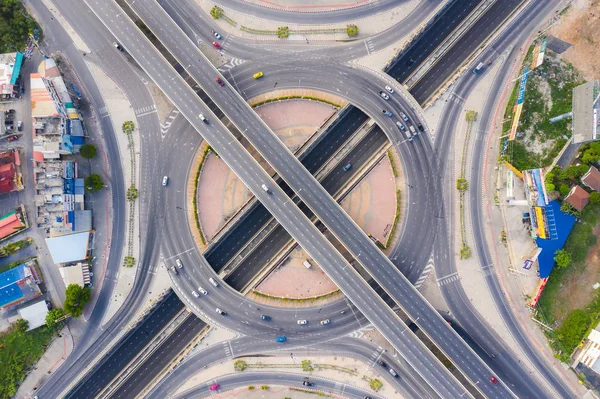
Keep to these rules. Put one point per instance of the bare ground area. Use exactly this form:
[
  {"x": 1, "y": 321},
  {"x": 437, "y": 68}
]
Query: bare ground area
[
  {"x": 577, "y": 289},
  {"x": 581, "y": 28}
]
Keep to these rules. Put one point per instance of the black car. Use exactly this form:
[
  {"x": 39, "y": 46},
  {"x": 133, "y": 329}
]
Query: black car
[
  {"x": 9, "y": 111},
  {"x": 307, "y": 383},
  {"x": 420, "y": 127},
  {"x": 381, "y": 363}
]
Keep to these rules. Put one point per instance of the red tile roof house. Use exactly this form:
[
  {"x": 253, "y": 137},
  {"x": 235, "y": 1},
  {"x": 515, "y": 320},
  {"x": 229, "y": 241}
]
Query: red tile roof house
[
  {"x": 578, "y": 198},
  {"x": 592, "y": 179}
]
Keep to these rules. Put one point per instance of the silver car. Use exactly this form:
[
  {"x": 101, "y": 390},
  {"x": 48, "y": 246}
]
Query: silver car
[
  {"x": 202, "y": 291},
  {"x": 178, "y": 263}
]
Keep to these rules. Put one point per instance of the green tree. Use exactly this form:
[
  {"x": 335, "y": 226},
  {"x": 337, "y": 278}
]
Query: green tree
[
  {"x": 128, "y": 127},
  {"x": 88, "y": 151},
  {"x": 591, "y": 153},
  {"x": 240, "y": 365},
  {"x": 564, "y": 189},
  {"x": 216, "y": 12},
  {"x": 562, "y": 258},
  {"x": 93, "y": 183},
  {"x": 76, "y": 299},
  {"x": 594, "y": 197},
  {"x": 283, "y": 32},
  {"x": 352, "y": 30},
  {"x": 52, "y": 317},
  {"x": 15, "y": 26},
  {"x": 132, "y": 193},
  {"x": 22, "y": 325},
  {"x": 571, "y": 332},
  {"x": 568, "y": 208}
]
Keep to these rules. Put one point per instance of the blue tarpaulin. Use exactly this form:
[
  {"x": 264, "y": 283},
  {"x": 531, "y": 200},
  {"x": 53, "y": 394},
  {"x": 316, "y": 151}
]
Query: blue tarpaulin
[{"x": 564, "y": 225}]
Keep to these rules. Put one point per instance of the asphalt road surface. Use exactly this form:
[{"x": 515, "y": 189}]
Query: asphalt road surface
[{"x": 253, "y": 176}]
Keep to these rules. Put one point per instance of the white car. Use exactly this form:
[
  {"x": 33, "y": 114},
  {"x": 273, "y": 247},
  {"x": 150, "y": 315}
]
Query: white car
[
  {"x": 202, "y": 291},
  {"x": 194, "y": 293},
  {"x": 403, "y": 115},
  {"x": 217, "y": 35},
  {"x": 400, "y": 125},
  {"x": 202, "y": 118},
  {"x": 179, "y": 264},
  {"x": 302, "y": 322},
  {"x": 388, "y": 88},
  {"x": 384, "y": 96},
  {"x": 165, "y": 180},
  {"x": 325, "y": 322}
]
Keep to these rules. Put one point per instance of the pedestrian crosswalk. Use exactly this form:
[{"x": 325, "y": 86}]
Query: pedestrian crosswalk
[
  {"x": 425, "y": 274},
  {"x": 145, "y": 110},
  {"x": 231, "y": 64},
  {"x": 370, "y": 46},
  {"x": 448, "y": 279}
]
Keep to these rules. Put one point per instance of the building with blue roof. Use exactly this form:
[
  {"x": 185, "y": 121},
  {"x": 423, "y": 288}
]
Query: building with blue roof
[{"x": 18, "y": 285}]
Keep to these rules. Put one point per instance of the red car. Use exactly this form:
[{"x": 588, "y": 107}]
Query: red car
[
  {"x": 214, "y": 387},
  {"x": 494, "y": 380},
  {"x": 14, "y": 137},
  {"x": 219, "y": 81},
  {"x": 217, "y": 45}
]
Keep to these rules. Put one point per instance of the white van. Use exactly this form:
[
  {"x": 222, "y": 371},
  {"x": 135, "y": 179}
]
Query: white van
[
  {"x": 213, "y": 282},
  {"x": 307, "y": 264},
  {"x": 266, "y": 189}
]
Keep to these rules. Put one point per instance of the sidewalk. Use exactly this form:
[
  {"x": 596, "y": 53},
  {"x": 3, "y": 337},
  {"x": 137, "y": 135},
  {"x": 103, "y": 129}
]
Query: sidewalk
[{"x": 60, "y": 348}]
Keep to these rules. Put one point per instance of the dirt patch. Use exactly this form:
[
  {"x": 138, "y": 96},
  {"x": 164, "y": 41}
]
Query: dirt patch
[
  {"x": 580, "y": 27},
  {"x": 579, "y": 287}
]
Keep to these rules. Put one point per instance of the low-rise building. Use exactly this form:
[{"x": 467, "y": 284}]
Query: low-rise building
[
  {"x": 19, "y": 285},
  {"x": 35, "y": 314},
  {"x": 10, "y": 69},
  {"x": 592, "y": 179},
  {"x": 578, "y": 198}
]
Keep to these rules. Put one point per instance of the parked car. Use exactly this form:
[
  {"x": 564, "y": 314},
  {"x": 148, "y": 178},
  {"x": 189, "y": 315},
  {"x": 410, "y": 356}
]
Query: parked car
[
  {"x": 14, "y": 137},
  {"x": 20, "y": 126},
  {"x": 219, "y": 81},
  {"x": 217, "y": 45},
  {"x": 9, "y": 111}
]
